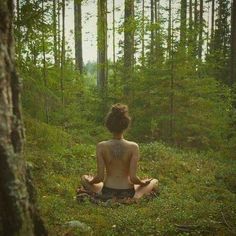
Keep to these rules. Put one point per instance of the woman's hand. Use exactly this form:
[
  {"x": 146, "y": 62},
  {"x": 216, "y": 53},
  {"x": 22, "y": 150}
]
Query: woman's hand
[{"x": 146, "y": 182}]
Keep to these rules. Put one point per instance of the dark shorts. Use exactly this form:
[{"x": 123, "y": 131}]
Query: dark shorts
[{"x": 117, "y": 193}]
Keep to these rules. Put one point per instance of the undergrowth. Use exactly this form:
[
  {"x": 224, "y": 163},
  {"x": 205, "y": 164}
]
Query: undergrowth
[{"x": 197, "y": 191}]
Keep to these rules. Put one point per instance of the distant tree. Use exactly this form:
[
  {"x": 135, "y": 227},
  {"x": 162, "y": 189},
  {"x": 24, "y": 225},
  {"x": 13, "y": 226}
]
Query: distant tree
[
  {"x": 102, "y": 70},
  {"x": 18, "y": 213},
  {"x": 201, "y": 21},
  {"x": 129, "y": 29},
  {"x": 62, "y": 54},
  {"x": 152, "y": 35},
  {"x": 44, "y": 65},
  {"x": 233, "y": 44},
  {"x": 55, "y": 45},
  {"x": 78, "y": 35},
  {"x": 212, "y": 18},
  {"x": 169, "y": 45},
  {"x": 183, "y": 22},
  {"x": 143, "y": 33},
  {"x": 114, "y": 37}
]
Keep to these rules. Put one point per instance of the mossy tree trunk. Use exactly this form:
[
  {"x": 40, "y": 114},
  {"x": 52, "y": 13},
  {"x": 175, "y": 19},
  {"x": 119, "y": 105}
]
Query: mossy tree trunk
[{"x": 18, "y": 214}]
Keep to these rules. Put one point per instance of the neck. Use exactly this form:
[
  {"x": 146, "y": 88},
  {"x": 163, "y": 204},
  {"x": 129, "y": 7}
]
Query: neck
[{"x": 118, "y": 136}]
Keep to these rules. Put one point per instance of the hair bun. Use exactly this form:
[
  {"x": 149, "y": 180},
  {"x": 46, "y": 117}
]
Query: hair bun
[{"x": 119, "y": 109}]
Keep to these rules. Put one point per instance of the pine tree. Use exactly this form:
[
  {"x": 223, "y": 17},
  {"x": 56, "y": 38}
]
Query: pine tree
[
  {"x": 78, "y": 35},
  {"x": 233, "y": 44},
  {"x": 18, "y": 214},
  {"x": 102, "y": 71},
  {"x": 129, "y": 29}
]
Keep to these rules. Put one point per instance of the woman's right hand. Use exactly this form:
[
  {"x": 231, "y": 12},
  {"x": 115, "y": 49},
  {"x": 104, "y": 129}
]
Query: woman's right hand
[{"x": 146, "y": 182}]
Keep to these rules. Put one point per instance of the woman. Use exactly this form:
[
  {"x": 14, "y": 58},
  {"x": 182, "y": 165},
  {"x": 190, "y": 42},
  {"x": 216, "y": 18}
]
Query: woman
[{"x": 120, "y": 159}]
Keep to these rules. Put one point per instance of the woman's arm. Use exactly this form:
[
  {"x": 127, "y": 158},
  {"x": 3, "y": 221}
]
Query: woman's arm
[
  {"x": 100, "y": 166},
  {"x": 134, "y": 166}
]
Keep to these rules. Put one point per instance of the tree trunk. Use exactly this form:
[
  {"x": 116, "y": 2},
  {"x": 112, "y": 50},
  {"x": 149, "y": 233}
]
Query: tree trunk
[
  {"x": 200, "y": 41},
  {"x": 55, "y": 54},
  {"x": 44, "y": 66},
  {"x": 196, "y": 29},
  {"x": 212, "y": 18},
  {"x": 18, "y": 214},
  {"x": 233, "y": 44},
  {"x": 58, "y": 33},
  {"x": 169, "y": 45},
  {"x": 143, "y": 32},
  {"x": 183, "y": 15},
  {"x": 78, "y": 36},
  {"x": 129, "y": 29},
  {"x": 62, "y": 53},
  {"x": 102, "y": 45},
  {"x": 152, "y": 32},
  {"x": 114, "y": 38}
]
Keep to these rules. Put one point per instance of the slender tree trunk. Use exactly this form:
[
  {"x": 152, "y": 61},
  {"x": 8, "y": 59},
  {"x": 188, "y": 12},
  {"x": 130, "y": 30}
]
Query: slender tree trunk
[
  {"x": 172, "y": 88},
  {"x": 190, "y": 16},
  {"x": 156, "y": 31},
  {"x": 102, "y": 45},
  {"x": 196, "y": 28},
  {"x": 55, "y": 53},
  {"x": 62, "y": 54},
  {"x": 233, "y": 44},
  {"x": 212, "y": 19},
  {"x": 18, "y": 38},
  {"x": 78, "y": 36},
  {"x": 208, "y": 28},
  {"x": 44, "y": 67},
  {"x": 18, "y": 214},
  {"x": 58, "y": 32},
  {"x": 183, "y": 20},
  {"x": 128, "y": 44},
  {"x": 200, "y": 41},
  {"x": 114, "y": 38},
  {"x": 143, "y": 33},
  {"x": 169, "y": 46},
  {"x": 152, "y": 32}
]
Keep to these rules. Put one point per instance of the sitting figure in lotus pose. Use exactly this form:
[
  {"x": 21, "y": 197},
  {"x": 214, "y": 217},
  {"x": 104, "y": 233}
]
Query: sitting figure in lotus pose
[{"x": 119, "y": 157}]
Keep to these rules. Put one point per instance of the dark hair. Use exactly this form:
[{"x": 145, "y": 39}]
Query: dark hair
[{"x": 118, "y": 119}]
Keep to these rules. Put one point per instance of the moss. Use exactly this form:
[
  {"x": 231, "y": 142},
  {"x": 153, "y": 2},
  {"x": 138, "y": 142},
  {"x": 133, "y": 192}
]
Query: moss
[{"x": 195, "y": 190}]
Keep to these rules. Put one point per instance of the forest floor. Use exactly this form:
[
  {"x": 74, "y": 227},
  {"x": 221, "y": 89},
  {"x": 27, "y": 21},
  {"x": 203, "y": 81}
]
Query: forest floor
[{"x": 197, "y": 191}]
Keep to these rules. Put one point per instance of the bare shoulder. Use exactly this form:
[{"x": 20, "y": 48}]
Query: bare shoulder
[
  {"x": 102, "y": 144},
  {"x": 133, "y": 145}
]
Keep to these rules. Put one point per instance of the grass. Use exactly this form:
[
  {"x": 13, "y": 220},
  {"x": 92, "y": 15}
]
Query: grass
[{"x": 197, "y": 190}]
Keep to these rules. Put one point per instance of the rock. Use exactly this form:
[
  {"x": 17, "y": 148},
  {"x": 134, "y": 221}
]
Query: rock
[{"x": 79, "y": 225}]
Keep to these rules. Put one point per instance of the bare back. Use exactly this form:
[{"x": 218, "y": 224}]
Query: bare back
[{"x": 117, "y": 155}]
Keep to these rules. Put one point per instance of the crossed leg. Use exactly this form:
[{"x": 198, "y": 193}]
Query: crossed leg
[
  {"x": 93, "y": 188},
  {"x": 141, "y": 191}
]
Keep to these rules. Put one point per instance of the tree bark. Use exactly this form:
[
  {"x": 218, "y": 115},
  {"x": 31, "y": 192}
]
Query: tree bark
[
  {"x": 44, "y": 66},
  {"x": 129, "y": 29},
  {"x": 143, "y": 32},
  {"x": 55, "y": 33},
  {"x": 169, "y": 44},
  {"x": 152, "y": 32},
  {"x": 233, "y": 44},
  {"x": 183, "y": 15},
  {"x": 62, "y": 53},
  {"x": 114, "y": 38},
  {"x": 78, "y": 36},
  {"x": 200, "y": 41},
  {"x": 102, "y": 45},
  {"x": 18, "y": 213}
]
